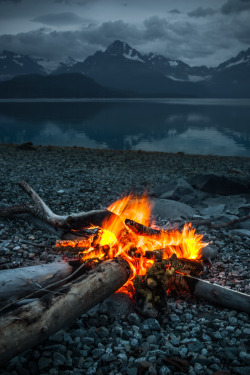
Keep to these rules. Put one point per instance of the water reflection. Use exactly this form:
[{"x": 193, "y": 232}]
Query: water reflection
[{"x": 190, "y": 126}]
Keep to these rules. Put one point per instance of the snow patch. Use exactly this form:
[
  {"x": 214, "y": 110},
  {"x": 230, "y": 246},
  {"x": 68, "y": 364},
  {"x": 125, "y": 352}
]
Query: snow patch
[
  {"x": 198, "y": 78},
  {"x": 241, "y": 61},
  {"x": 173, "y": 63},
  {"x": 47, "y": 64},
  {"x": 130, "y": 57},
  {"x": 176, "y": 79},
  {"x": 18, "y": 62}
]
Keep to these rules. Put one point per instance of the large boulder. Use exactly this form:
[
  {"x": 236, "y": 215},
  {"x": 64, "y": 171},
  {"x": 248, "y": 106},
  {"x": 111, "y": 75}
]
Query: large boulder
[
  {"x": 171, "y": 210},
  {"x": 224, "y": 185},
  {"x": 178, "y": 190}
]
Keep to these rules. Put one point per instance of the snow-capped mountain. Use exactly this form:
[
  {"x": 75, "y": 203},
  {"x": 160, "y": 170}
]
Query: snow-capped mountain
[
  {"x": 13, "y": 64},
  {"x": 121, "y": 67},
  {"x": 66, "y": 66},
  {"x": 121, "y": 53},
  {"x": 242, "y": 59}
]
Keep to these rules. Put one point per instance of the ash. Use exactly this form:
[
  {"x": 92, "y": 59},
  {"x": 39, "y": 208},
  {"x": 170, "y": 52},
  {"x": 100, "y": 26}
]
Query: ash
[{"x": 189, "y": 336}]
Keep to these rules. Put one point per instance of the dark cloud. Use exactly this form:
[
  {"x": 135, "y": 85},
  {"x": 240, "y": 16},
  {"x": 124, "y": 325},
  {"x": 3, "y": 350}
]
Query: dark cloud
[
  {"x": 208, "y": 42},
  {"x": 11, "y": 1},
  {"x": 202, "y": 12},
  {"x": 175, "y": 11},
  {"x": 156, "y": 27},
  {"x": 75, "y": 2},
  {"x": 235, "y": 6},
  {"x": 58, "y": 19}
]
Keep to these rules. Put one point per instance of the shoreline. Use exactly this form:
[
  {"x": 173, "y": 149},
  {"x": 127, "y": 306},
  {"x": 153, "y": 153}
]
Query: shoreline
[{"x": 29, "y": 146}]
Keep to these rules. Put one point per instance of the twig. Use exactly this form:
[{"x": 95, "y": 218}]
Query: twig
[{"x": 35, "y": 244}]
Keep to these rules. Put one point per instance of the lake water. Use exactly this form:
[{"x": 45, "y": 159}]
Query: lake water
[{"x": 197, "y": 126}]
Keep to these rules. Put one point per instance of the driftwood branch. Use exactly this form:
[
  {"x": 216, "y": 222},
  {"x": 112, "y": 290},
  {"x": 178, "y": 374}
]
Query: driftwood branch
[
  {"x": 64, "y": 226},
  {"x": 29, "y": 325}
]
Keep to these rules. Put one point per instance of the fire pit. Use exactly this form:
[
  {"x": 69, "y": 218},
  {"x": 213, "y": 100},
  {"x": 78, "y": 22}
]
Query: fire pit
[{"x": 154, "y": 255}]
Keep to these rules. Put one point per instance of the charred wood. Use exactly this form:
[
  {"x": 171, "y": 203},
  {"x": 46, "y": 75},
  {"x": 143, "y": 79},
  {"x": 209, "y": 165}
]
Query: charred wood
[{"x": 142, "y": 230}]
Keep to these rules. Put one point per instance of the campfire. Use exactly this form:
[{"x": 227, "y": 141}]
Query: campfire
[
  {"x": 129, "y": 235},
  {"x": 116, "y": 249}
]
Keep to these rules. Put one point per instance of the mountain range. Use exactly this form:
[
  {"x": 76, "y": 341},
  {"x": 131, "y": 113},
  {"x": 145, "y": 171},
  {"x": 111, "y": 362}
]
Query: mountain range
[{"x": 121, "y": 70}]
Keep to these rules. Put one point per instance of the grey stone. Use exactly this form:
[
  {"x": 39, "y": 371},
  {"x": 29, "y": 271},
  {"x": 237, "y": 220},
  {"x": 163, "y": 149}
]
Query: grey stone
[
  {"x": 174, "y": 318},
  {"x": 98, "y": 352},
  {"x": 150, "y": 324},
  {"x": 58, "y": 359},
  {"x": 123, "y": 357},
  {"x": 87, "y": 340},
  {"x": 195, "y": 346},
  {"x": 173, "y": 210},
  {"x": 151, "y": 339},
  {"x": 217, "y": 335},
  {"x": 91, "y": 370},
  {"x": 240, "y": 232},
  {"x": 164, "y": 370},
  {"x": 43, "y": 363},
  {"x": 132, "y": 371},
  {"x": 152, "y": 370},
  {"x": 58, "y": 336},
  {"x": 242, "y": 370},
  {"x": 78, "y": 332},
  {"x": 245, "y": 357},
  {"x": 119, "y": 304},
  {"x": 219, "y": 184},
  {"x": 108, "y": 357},
  {"x": 134, "y": 319},
  {"x": 134, "y": 343}
]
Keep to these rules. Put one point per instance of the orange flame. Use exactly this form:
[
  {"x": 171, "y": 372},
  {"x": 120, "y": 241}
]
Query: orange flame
[{"x": 115, "y": 239}]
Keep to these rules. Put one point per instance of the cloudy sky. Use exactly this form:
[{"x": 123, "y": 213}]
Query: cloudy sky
[{"x": 195, "y": 31}]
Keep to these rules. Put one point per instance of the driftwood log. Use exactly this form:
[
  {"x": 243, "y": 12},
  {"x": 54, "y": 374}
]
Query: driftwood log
[
  {"x": 212, "y": 293},
  {"x": 19, "y": 282},
  {"x": 30, "y": 324}
]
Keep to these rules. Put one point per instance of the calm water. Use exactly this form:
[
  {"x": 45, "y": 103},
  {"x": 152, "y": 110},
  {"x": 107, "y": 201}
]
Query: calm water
[{"x": 204, "y": 126}]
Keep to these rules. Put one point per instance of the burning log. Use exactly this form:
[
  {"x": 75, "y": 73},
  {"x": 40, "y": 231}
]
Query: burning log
[
  {"x": 142, "y": 230},
  {"x": 29, "y": 325},
  {"x": 192, "y": 266}
]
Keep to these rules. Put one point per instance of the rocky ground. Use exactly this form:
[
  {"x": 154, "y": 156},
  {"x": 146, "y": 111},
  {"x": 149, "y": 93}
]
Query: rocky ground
[{"x": 189, "y": 336}]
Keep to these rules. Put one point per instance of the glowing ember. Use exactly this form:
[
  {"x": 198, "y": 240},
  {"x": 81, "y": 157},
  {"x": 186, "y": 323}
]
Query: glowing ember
[{"x": 116, "y": 239}]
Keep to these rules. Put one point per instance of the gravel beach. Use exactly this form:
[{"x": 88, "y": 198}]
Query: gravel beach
[{"x": 190, "y": 336}]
